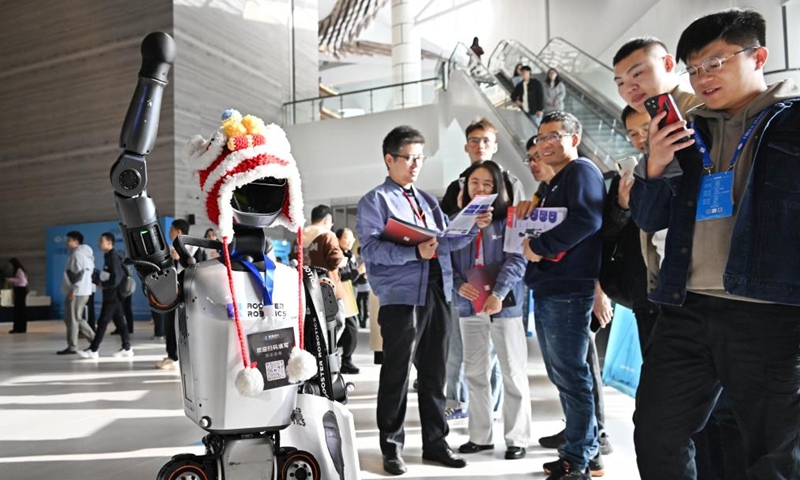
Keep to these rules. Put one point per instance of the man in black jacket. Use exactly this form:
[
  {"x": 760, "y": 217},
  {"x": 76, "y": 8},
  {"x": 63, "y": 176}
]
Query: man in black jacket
[
  {"x": 109, "y": 281},
  {"x": 529, "y": 96}
]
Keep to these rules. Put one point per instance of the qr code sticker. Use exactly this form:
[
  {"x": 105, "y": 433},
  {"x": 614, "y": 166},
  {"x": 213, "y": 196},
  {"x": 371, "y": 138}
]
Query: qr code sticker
[{"x": 275, "y": 371}]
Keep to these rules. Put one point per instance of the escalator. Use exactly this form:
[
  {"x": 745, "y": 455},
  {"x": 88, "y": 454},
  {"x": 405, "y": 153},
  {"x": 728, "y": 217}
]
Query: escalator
[{"x": 591, "y": 95}]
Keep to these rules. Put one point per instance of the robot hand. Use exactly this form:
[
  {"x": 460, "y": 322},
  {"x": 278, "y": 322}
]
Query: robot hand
[{"x": 144, "y": 240}]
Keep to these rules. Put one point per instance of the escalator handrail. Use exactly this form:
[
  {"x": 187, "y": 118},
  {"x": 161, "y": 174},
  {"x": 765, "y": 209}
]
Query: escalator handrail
[{"x": 561, "y": 39}]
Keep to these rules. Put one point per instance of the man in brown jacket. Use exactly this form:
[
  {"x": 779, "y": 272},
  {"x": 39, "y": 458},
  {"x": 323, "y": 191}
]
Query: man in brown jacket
[{"x": 321, "y": 249}]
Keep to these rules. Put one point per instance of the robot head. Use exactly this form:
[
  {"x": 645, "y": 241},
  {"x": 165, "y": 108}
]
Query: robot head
[
  {"x": 259, "y": 203},
  {"x": 247, "y": 175}
]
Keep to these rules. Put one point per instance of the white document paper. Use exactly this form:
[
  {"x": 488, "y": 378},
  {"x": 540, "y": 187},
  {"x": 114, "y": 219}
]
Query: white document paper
[
  {"x": 539, "y": 221},
  {"x": 465, "y": 220}
]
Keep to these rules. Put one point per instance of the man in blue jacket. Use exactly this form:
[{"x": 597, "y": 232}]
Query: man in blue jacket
[
  {"x": 414, "y": 286},
  {"x": 564, "y": 264},
  {"x": 729, "y": 284}
]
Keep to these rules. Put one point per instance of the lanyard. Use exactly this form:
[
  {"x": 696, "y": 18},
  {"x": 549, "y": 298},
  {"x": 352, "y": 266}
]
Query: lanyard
[
  {"x": 419, "y": 213},
  {"x": 266, "y": 282},
  {"x": 478, "y": 260},
  {"x": 708, "y": 164}
]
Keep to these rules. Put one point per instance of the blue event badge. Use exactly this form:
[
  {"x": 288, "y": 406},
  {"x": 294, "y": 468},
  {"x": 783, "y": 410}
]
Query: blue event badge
[{"x": 715, "y": 199}]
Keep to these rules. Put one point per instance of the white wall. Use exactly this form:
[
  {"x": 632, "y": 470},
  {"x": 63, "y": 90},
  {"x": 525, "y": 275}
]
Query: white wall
[{"x": 341, "y": 160}]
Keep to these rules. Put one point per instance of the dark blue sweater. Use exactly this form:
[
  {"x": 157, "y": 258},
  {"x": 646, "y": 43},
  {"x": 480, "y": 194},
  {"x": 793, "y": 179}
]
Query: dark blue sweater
[{"x": 579, "y": 187}]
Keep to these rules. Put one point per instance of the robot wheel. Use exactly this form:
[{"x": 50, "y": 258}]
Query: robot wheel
[
  {"x": 300, "y": 465},
  {"x": 187, "y": 467}
]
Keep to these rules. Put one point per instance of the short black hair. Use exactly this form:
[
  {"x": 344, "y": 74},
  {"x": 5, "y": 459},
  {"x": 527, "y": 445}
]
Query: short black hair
[
  {"x": 340, "y": 232},
  {"x": 480, "y": 124},
  {"x": 569, "y": 121},
  {"x": 634, "y": 44},
  {"x": 110, "y": 237},
  {"x": 319, "y": 213},
  {"x": 400, "y": 137},
  {"x": 735, "y": 27},
  {"x": 525, "y": 68},
  {"x": 530, "y": 143},
  {"x": 181, "y": 225},
  {"x": 503, "y": 200},
  {"x": 626, "y": 112},
  {"x": 75, "y": 235}
]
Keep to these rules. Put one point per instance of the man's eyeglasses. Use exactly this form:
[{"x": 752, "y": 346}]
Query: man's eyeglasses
[
  {"x": 480, "y": 140},
  {"x": 550, "y": 137},
  {"x": 712, "y": 65},
  {"x": 420, "y": 159}
]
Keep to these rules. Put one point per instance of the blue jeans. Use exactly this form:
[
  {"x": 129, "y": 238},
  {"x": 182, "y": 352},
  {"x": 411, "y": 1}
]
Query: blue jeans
[{"x": 562, "y": 328}]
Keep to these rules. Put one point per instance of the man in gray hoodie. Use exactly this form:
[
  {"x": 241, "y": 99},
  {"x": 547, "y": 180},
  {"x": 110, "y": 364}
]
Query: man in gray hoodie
[{"x": 76, "y": 284}]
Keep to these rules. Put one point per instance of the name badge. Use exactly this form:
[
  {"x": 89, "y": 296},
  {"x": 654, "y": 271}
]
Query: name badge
[{"x": 715, "y": 199}]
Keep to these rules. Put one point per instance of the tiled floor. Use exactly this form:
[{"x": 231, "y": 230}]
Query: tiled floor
[{"x": 66, "y": 418}]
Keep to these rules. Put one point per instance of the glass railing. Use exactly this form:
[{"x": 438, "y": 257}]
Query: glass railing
[
  {"x": 362, "y": 102},
  {"x": 584, "y": 77},
  {"x": 595, "y": 77}
]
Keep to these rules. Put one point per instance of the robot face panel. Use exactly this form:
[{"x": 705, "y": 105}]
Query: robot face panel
[{"x": 259, "y": 203}]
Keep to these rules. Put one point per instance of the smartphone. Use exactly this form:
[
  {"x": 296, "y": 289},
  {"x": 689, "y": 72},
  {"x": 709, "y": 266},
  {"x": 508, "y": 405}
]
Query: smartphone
[
  {"x": 664, "y": 102},
  {"x": 627, "y": 164}
]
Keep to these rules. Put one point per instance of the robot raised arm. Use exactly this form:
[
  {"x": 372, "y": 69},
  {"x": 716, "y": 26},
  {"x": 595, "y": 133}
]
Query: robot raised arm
[{"x": 145, "y": 241}]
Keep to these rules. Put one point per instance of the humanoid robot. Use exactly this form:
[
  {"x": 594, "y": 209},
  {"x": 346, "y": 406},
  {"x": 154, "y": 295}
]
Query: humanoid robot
[{"x": 281, "y": 416}]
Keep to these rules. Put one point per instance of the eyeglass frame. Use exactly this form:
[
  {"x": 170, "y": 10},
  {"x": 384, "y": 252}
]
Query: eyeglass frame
[
  {"x": 418, "y": 159},
  {"x": 480, "y": 141},
  {"x": 551, "y": 137},
  {"x": 696, "y": 68}
]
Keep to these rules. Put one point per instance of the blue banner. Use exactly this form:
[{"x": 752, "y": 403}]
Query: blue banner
[{"x": 57, "y": 254}]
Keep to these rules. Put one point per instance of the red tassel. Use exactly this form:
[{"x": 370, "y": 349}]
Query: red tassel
[
  {"x": 235, "y": 305},
  {"x": 301, "y": 317}
]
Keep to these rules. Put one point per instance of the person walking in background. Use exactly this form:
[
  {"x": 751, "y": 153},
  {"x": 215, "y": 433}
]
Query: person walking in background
[
  {"x": 348, "y": 272},
  {"x": 554, "y": 92},
  {"x": 361, "y": 286},
  {"x": 19, "y": 282},
  {"x": 76, "y": 285},
  {"x": 127, "y": 302},
  {"x": 109, "y": 281},
  {"x": 502, "y": 325},
  {"x": 529, "y": 96}
]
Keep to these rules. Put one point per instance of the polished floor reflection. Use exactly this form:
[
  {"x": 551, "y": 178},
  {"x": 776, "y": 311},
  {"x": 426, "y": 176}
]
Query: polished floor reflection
[{"x": 121, "y": 419}]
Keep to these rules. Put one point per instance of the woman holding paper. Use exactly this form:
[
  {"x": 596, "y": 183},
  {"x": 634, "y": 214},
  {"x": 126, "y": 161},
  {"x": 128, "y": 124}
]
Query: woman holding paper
[{"x": 488, "y": 283}]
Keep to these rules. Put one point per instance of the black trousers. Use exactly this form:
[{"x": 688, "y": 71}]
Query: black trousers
[
  {"x": 20, "y": 309},
  {"x": 90, "y": 315},
  {"x": 362, "y": 299},
  {"x": 646, "y": 316},
  {"x": 597, "y": 387},
  {"x": 127, "y": 308},
  {"x": 750, "y": 349},
  {"x": 111, "y": 310},
  {"x": 417, "y": 335},
  {"x": 349, "y": 339}
]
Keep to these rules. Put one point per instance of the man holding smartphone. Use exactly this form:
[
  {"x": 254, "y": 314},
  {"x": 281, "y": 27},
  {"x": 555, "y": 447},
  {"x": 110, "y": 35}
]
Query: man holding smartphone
[
  {"x": 730, "y": 309},
  {"x": 644, "y": 72}
]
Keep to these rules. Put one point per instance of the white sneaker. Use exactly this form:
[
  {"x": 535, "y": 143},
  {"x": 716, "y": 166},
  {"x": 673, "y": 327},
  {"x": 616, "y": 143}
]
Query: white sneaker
[
  {"x": 88, "y": 353},
  {"x": 123, "y": 353},
  {"x": 167, "y": 364}
]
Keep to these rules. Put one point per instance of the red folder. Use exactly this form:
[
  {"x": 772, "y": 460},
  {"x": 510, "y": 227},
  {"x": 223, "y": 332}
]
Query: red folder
[
  {"x": 405, "y": 233},
  {"x": 484, "y": 278}
]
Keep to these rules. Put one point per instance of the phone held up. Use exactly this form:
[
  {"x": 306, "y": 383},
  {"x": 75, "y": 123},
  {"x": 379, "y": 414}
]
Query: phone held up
[{"x": 665, "y": 103}]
